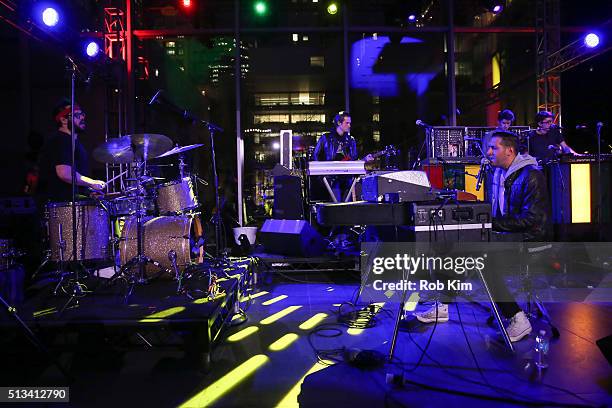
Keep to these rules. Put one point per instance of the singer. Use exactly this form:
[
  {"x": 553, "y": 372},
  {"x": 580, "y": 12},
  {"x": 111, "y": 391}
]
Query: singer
[
  {"x": 519, "y": 203},
  {"x": 538, "y": 142}
]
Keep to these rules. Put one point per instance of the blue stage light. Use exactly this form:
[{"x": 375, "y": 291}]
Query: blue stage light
[
  {"x": 497, "y": 8},
  {"x": 412, "y": 18},
  {"x": 591, "y": 40},
  {"x": 50, "y": 17},
  {"x": 92, "y": 49}
]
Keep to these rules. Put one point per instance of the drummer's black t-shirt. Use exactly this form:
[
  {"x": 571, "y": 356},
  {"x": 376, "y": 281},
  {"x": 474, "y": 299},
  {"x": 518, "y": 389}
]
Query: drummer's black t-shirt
[{"x": 57, "y": 150}]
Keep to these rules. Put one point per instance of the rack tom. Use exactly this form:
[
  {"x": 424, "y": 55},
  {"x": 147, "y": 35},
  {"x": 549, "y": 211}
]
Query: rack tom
[{"x": 176, "y": 197}]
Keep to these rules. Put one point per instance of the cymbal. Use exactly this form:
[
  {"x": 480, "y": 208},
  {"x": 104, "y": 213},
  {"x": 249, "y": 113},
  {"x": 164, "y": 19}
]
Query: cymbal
[
  {"x": 179, "y": 149},
  {"x": 129, "y": 148}
]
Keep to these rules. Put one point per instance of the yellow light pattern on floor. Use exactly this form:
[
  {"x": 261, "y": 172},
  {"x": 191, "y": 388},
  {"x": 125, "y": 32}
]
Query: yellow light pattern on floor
[
  {"x": 279, "y": 315},
  {"x": 206, "y": 299},
  {"x": 356, "y": 332},
  {"x": 274, "y": 300},
  {"x": 246, "y": 332},
  {"x": 283, "y": 342},
  {"x": 412, "y": 302},
  {"x": 44, "y": 312},
  {"x": 161, "y": 315},
  {"x": 313, "y": 321},
  {"x": 253, "y": 296},
  {"x": 224, "y": 384},
  {"x": 290, "y": 399}
]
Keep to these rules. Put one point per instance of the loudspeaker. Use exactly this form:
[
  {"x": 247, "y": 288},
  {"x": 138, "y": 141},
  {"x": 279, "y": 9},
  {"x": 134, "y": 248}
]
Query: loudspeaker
[
  {"x": 291, "y": 237},
  {"x": 288, "y": 203},
  {"x": 605, "y": 345}
]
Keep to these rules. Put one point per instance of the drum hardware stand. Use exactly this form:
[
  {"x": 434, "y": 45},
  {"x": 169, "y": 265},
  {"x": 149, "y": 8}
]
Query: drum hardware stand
[{"x": 140, "y": 260}]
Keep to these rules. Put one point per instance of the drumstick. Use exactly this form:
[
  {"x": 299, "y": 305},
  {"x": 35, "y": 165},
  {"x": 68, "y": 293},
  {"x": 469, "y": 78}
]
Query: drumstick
[{"x": 116, "y": 177}]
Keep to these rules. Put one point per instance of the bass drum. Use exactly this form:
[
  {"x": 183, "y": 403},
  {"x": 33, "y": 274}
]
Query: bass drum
[
  {"x": 93, "y": 231},
  {"x": 160, "y": 236}
]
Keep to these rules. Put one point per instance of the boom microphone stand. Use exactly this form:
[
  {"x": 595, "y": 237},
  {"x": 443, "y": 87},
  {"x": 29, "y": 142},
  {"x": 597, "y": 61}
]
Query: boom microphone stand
[
  {"x": 78, "y": 289},
  {"x": 212, "y": 128}
]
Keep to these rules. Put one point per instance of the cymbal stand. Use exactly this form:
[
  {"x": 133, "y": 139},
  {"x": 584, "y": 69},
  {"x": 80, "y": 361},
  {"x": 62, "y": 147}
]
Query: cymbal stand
[{"x": 140, "y": 261}]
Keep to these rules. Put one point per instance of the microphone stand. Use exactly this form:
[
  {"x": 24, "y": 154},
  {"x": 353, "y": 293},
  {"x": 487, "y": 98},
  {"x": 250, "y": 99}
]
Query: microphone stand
[
  {"x": 599, "y": 196},
  {"x": 77, "y": 287},
  {"x": 212, "y": 128}
]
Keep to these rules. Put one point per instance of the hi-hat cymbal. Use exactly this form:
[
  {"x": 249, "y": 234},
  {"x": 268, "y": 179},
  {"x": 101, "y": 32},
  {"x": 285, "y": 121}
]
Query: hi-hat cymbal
[
  {"x": 180, "y": 149},
  {"x": 129, "y": 148}
]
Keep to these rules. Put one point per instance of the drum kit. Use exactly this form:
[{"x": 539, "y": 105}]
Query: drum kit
[{"x": 152, "y": 228}]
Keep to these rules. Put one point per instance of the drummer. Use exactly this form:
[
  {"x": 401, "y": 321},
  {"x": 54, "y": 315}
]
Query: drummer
[{"x": 55, "y": 163}]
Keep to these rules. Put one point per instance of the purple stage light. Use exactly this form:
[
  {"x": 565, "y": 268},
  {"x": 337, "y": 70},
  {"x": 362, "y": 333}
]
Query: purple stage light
[
  {"x": 92, "y": 49},
  {"x": 411, "y": 18},
  {"x": 591, "y": 40},
  {"x": 50, "y": 17},
  {"x": 497, "y": 8}
]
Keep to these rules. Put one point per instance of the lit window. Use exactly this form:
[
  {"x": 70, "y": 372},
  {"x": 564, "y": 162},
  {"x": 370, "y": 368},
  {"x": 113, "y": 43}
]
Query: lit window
[
  {"x": 317, "y": 61},
  {"x": 171, "y": 52},
  {"x": 376, "y": 135},
  {"x": 170, "y": 44},
  {"x": 376, "y": 117},
  {"x": 295, "y": 37},
  {"x": 304, "y": 38}
]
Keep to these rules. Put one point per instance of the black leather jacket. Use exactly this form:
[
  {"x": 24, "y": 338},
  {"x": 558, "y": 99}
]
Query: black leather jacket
[
  {"x": 526, "y": 201},
  {"x": 328, "y": 144}
]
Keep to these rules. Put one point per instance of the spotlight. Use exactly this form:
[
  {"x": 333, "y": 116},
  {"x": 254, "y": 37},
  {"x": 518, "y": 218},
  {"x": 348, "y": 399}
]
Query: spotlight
[
  {"x": 276, "y": 145},
  {"x": 494, "y": 6},
  {"x": 261, "y": 8},
  {"x": 186, "y": 3},
  {"x": 332, "y": 8},
  {"x": 591, "y": 40},
  {"x": 412, "y": 18},
  {"x": 50, "y": 17},
  {"x": 92, "y": 49}
]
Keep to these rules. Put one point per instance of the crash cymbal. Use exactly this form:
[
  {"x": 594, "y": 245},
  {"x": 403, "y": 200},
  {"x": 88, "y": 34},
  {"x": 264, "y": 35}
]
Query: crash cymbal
[
  {"x": 180, "y": 149},
  {"x": 129, "y": 148}
]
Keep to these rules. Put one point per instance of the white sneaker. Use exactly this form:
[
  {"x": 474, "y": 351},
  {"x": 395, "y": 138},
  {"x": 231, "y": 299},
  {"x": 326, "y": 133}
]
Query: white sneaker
[
  {"x": 429, "y": 316},
  {"x": 519, "y": 327}
]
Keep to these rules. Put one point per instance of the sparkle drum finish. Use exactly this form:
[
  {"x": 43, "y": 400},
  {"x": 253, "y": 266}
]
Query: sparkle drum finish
[
  {"x": 176, "y": 197},
  {"x": 93, "y": 231},
  {"x": 160, "y": 236}
]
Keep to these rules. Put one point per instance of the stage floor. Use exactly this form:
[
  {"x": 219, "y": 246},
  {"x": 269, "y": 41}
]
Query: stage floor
[{"x": 270, "y": 360}]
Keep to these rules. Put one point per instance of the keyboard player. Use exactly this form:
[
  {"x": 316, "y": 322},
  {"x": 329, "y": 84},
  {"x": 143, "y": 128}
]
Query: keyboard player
[{"x": 339, "y": 145}]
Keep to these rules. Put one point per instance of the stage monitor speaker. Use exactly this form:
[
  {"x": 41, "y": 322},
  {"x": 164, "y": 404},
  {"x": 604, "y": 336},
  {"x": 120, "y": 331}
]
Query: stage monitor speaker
[
  {"x": 291, "y": 237},
  {"x": 288, "y": 203},
  {"x": 605, "y": 345}
]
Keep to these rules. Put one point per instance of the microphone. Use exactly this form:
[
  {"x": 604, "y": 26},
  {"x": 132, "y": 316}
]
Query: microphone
[
  {"x": 154, "y": 98},
  {"x": 419, "y": 122},
  {"x": 484, "y": 163}
]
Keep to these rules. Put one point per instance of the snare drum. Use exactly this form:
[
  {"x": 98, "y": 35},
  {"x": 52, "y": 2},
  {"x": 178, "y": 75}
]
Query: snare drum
[
  {"x": 160, "y": 236},
  {"x": 93, "y": 231},
  {"x": 124, "y": 206},
  {"x": 176, "y": 197}
]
